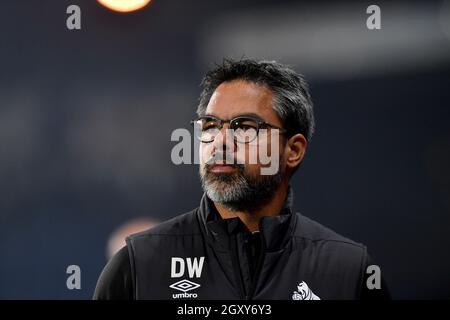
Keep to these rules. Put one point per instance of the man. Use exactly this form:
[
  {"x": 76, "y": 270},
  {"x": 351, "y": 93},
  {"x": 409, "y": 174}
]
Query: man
[{"x": 245, "y": 240}]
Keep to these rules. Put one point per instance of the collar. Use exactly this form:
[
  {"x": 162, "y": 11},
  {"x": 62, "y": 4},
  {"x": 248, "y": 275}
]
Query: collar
[{"x": 276, "y": 231}]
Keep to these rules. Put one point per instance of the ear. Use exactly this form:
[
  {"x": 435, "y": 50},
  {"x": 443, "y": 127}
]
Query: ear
[{"x": 295, "y": 150}]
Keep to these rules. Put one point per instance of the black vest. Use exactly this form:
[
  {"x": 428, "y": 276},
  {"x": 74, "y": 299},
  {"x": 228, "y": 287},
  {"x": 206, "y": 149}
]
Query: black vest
[{"x": 198, "y": 255}]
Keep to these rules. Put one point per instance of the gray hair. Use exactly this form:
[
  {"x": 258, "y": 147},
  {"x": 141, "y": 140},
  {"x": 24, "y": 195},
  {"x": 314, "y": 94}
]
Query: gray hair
[{"x": 292, "y": 101}]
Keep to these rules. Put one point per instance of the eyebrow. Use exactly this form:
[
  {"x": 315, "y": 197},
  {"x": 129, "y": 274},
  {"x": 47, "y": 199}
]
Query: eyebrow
[{"x": 239, "y": 115}]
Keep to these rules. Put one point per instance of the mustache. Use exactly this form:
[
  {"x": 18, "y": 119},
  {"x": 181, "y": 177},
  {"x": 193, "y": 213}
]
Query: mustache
[{"x": 220, "y": 158}]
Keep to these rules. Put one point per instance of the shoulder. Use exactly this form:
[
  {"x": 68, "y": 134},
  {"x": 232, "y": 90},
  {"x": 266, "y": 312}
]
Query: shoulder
[
  {"x": 328, "y": 243},
  {"x": 156, "y": 246},
  {"x": 311, "y": 230},
  {"x": 115, "y": 281},
  {"x": 185, "y": 224}
]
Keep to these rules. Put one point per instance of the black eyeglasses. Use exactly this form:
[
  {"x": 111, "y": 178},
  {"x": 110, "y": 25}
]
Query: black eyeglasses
[{"x": 245, "y": 128}]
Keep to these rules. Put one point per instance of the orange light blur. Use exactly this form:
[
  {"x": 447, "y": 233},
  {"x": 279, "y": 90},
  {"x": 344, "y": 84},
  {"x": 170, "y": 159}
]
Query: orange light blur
[{"x": 124, "y": 5}]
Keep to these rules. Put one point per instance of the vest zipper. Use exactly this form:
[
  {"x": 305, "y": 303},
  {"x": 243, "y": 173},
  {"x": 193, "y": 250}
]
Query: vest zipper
[
  {"x": 237, "y": 269},
  {"x": 258, "y": 269}
]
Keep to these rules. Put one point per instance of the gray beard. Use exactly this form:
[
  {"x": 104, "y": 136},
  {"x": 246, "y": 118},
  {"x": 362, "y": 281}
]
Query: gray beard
[{"x": 239, "y": 191}]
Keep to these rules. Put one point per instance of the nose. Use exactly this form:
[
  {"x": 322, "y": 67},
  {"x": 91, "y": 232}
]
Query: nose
[{"x": 225, "y": 139}]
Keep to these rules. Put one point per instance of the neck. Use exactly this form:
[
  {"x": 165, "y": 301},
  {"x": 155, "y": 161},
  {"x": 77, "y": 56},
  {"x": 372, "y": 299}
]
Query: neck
[{"x": 252, "y": 216}]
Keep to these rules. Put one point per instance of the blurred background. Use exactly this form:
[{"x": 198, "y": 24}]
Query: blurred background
[{"x": 86, "y": 117}]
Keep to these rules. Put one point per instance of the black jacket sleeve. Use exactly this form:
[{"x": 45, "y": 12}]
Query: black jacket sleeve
[{"x": 115, "y": 281}]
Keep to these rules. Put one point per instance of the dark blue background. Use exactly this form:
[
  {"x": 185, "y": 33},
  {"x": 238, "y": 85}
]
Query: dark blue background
[{"x": 85, "y": 124}]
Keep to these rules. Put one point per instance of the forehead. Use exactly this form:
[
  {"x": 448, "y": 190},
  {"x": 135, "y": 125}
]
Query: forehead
[{"x": 239, "y": 97}]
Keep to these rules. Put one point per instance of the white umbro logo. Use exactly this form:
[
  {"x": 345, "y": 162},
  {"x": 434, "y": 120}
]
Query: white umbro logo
[{"x": 185, "y": 285}]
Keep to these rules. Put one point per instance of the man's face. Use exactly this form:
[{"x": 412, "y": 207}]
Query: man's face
[{"x": 241, "y": 184}]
